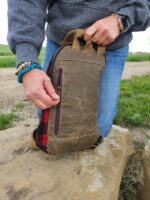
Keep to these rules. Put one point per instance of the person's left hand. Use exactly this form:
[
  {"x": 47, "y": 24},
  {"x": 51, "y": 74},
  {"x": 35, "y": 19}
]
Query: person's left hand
[{"x": 103, "y": 31}]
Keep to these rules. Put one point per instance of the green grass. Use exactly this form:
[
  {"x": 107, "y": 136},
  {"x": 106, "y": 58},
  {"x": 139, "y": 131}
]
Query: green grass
[
  {"x": 138, "y": 145},
  {"x": 7, "y": 59},
  {"x": 138, "y": 57},
  {"x": 134, "y": 103},
  {"x": 5, "y": 51},
  {"x": 6, "y": 120}
]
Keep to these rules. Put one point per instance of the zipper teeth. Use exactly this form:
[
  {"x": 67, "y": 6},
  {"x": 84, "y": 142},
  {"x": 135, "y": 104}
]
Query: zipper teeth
[{"x": 58, "y": 107}]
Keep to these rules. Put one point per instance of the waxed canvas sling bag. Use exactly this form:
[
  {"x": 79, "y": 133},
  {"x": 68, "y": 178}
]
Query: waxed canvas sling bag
[{"x": 75, "y": 72}]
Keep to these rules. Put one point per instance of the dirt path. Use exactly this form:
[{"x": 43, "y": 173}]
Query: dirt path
[{"x": 136, "y": 69}]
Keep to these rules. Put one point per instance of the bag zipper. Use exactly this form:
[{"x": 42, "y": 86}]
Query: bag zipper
[
  {"x": 58, "y": 85},
  {"x": 58, "y": 107}
]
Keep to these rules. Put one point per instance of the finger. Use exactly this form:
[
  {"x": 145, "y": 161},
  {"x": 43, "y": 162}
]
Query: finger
[
  {"x": 46, "y": 99},
  {"x": 95, "y": 37},
  {"x": 100, "y": 37},
  {"x": 106, "y": 38},
  {"x": 40, "y": 94},
  {"x": 50, "y": 90},
  {"x": 106, "y": 42},
  {"x": 38, "y": 103},
  {"x": 90, "y": 32}
]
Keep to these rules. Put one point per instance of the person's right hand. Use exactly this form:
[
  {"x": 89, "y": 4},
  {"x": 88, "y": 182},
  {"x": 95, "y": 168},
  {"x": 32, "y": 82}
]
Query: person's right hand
[{"x": 39, "y": 89}]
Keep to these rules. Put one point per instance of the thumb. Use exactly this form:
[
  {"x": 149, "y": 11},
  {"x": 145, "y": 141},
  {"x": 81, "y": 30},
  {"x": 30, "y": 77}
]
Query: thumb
[{"x": 50, "y": 89}]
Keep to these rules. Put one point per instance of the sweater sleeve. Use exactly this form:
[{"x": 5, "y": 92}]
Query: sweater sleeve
[
  {"x": 26, "y": 28},
  {"x": 138, "y": 13}
]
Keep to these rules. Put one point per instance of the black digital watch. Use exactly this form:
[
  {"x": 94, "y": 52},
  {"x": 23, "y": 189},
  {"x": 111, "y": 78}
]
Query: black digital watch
[{"x": 124, "y": 23}]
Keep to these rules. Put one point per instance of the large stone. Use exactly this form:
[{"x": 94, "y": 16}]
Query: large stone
[
  {"x": 94, "y": 174},
  {"x": 145, "y": 182}
]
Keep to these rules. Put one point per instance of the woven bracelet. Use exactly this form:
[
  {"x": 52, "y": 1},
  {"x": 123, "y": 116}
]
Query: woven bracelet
[{"x": 27, "y": 69}]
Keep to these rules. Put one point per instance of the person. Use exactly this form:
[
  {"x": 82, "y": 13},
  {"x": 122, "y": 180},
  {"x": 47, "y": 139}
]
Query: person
[{"x": 108, "y": 23}]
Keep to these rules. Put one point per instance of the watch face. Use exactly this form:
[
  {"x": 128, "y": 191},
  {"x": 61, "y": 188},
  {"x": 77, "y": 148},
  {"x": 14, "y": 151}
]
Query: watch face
[{"x": 125, "y": 23}]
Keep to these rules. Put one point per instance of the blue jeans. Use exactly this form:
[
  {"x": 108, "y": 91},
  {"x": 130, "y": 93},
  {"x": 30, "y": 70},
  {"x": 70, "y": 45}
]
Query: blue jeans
[{"x": 109, "y": 84}]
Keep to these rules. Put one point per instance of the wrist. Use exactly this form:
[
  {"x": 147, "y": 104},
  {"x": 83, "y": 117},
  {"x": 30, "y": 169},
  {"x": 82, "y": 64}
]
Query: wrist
[
  {"x": 30, "y": 75},
  {"x": 26, "y": 70},
  {"x": 123, "y": 22},
  {"x": 117, "y": 18}
]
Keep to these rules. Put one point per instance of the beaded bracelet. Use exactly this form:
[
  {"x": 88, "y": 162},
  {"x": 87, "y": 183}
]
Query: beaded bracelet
[
  {"x": 23, "y": 65},
  {"x": 27, "y": 69}
]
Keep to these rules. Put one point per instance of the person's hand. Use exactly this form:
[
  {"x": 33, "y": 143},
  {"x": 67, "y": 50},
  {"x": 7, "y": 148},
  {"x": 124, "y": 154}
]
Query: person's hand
[
  {"x": 103, "y": 31},
  {"x": 39, "y": 89}
]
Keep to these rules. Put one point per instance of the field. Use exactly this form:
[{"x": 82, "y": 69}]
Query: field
[{"x": 7, "y": 59}]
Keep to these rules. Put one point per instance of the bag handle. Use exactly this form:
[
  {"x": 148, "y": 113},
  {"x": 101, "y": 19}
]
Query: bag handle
[{"x": 75, "y": 37}]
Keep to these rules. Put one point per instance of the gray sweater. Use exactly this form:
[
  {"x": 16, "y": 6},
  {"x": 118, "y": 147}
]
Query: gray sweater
[{"x": 27, "y": 19}]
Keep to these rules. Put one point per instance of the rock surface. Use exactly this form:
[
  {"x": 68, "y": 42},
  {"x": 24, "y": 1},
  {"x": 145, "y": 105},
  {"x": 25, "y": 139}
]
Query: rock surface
[{"x": 93, "y": 174}]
